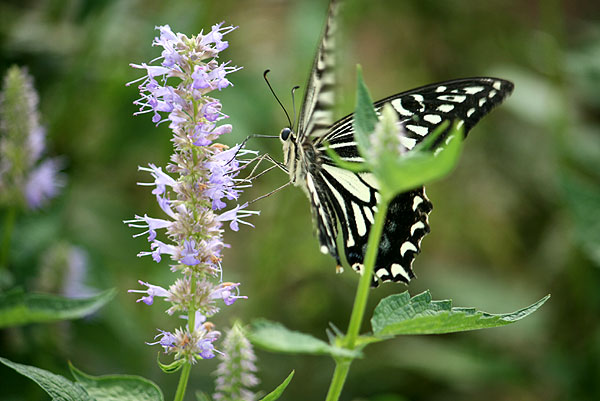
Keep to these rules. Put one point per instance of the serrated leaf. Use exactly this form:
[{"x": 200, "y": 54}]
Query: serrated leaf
[
  {"x": 275, "y": 394},
  {"x": 117, "y": 387},
  {"x": 365, "y": 117},
  {"x": 277, "y": 338},
  {"x": 399, "y": 314},
  {"x": 19, "y": 308},
  {"x": 58, "y": 387}
]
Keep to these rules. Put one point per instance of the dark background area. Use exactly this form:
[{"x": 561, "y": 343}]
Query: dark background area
[{"x": 519, "y": 217}]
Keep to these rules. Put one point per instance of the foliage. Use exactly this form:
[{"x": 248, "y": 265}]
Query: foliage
[
  {"x": 90, "y": 388},
  {"x": 19, "y": 308},
  {"x": 275, "y": 394},
  {"x": 399, "y": 314},
  {"x": 277, "y": 338}
]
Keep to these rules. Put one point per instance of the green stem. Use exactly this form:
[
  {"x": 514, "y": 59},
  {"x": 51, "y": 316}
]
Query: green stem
[
  {"x": 185, "y": 371},
  {"x": 342, "y": 365},
  {"x": 9, "y": 223},
  {"x": 192, "y": 308},
  {"x": 339, "y": 378},
  {"x": 364, "y": 285},
  {"x": 183, "y": 380}
]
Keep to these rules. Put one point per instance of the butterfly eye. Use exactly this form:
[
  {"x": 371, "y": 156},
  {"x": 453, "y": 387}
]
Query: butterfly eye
[{"x": 285, "y": 134}]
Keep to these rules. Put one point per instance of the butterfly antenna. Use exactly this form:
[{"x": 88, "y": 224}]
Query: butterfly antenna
[
  {"x": 294, "y": 103},
  {"x": 278, "y": 101}
]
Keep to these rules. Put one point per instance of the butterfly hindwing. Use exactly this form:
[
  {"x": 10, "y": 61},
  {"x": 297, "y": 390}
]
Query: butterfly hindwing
[
  {"x": 405, "y": 226},
  {"x": 354, "y": 198},
  {"x": 324, "y": 214}
]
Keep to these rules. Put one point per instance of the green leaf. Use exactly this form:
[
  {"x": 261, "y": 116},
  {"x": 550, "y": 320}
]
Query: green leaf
[
  {"x": 200, "y": 396},
  {"x": 365, "y": 117},
  {"x": 277, "y": 338},
  {"x": 57, "y": 387},
  {"x": 275, "y": 394},
  {"x": 427, "y": 143},
  {"x": 170, "y": 367},
  {"x": 117, "y": 387},
  {"x": 352, "y": 166},
  {"x": 418, "y": 167},
  {"x": 364, "y": 340},
  {"x": 399, "y": 314},
  {"x": 19, "y": 308}
]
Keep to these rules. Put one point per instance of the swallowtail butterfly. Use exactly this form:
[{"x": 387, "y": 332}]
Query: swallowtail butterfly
[{"x": 338, "y": 195}]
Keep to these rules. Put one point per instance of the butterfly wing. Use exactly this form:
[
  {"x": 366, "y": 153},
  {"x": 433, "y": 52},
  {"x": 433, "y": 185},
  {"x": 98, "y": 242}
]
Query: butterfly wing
[
  {"x": 316, "y": 113},
  {"x": 353, "y": 196},
  {"x": 422, "y": 110}
]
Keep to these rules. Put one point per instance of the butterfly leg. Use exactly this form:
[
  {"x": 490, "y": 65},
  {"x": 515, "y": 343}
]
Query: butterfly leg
[
  {"x": 258, "y": 161},
  {"x": 270, "y": 193}
]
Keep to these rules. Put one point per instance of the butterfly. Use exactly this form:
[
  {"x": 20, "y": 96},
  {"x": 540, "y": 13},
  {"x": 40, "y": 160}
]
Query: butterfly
[{"x": 341, "y": 196}]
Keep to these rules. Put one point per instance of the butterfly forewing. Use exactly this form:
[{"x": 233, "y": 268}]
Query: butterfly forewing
[
  {"x": 423, "y": 109},
  {"x": 316, "y": 114}
]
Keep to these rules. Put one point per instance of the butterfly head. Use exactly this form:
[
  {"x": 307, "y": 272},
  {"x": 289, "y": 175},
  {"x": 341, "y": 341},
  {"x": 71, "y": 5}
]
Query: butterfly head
[{"x": 286, "y": 134}]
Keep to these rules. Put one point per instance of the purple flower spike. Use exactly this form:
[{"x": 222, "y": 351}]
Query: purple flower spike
[{"x": 199, "y": 179}]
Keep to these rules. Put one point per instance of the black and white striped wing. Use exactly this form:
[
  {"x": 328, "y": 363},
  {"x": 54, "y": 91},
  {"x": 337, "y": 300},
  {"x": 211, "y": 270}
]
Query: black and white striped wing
[
  {"x": 353, "y": 196},
  {"x": 316, "y": 113},
  {"x": 422, "y": 110}
]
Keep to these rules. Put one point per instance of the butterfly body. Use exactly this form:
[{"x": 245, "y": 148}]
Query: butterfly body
[
  {"x": 297, "y": 158},
  {"x": 341, "y": 196}
]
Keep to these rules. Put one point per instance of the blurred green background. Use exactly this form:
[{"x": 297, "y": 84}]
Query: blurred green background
[{"x": 518, "y": 219}]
